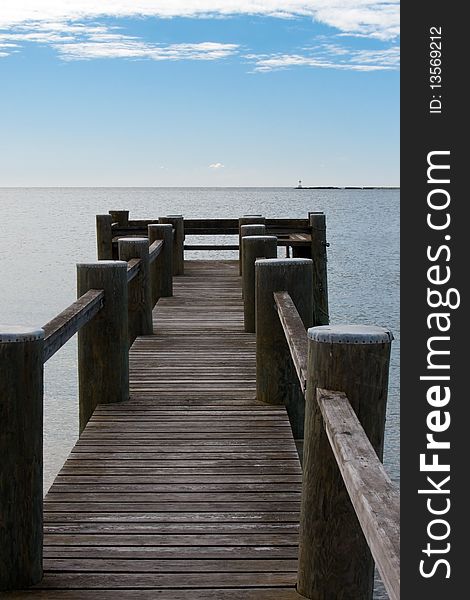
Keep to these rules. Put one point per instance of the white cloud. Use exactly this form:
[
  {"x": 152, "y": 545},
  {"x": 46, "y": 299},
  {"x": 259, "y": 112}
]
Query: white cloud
[
  {"x": 375, "y": 18},
  {"x": 126, "y": 47},
  {"x": 70, "y": 27},
  {"x": 81, "y": 42},
  {"x": 330, "y": 56},
  {"x": 217, "y": 165}
]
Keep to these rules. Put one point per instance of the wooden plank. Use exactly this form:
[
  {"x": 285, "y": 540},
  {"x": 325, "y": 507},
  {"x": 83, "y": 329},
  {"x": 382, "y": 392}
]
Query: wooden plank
[
  {"x": 155, "y": 488},
  {"x": 267, "y": 593},
  {"x": 149, "y": 507},
  {"x": 66, "y": 324},
  {"x": 171, "y": 552},
  {"x": 164, "y": 580},
  {"x": 174, "y": 517},
  {"x": 211, "y": 246},
  {"x": 374, "y": 497},
  {"x": 103, "y": 565},
  {"x": 171, "y": 528},
  {"x": 296, "y": 335}
]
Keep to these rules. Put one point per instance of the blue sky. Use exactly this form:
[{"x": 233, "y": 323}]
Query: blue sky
[{"x": 199, "y": 92}]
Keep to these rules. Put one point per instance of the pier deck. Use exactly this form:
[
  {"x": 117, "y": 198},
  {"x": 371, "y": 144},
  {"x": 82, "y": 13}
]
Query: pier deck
[{"x": 190, "y": 489}]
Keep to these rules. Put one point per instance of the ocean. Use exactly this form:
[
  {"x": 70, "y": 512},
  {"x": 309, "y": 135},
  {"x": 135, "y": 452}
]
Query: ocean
[{"x": 46, "y": 231}]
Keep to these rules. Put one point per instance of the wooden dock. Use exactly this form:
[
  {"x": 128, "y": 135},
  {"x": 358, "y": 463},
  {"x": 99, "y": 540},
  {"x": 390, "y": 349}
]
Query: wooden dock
[
  {"x": 192, "y": 487},
  {"x": 185, "y": 482}
]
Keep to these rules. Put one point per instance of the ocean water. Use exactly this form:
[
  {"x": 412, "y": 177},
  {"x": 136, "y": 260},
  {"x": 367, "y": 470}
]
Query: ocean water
[{"x": 46, "y": 231}]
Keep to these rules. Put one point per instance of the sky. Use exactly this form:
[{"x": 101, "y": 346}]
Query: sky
[{"x": 199, "y": 92}]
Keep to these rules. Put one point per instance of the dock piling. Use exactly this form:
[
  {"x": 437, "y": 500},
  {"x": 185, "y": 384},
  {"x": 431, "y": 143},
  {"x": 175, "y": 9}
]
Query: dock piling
[
  {"x": 334, "y": 555},
  {"x": 103, "y": 348},
  {"x": 276, "y": 380},
  {"x": 140, "y": 299},
  {"x": 21, "y": 410},
  {"x": 104, "y": 237},
  {"x": 161, "y": 273},
  {"x": 253, "y": 247},
  {"x": 177, "y": 222},
  {"x": 246, "y": 230},
  {"x": 247, "y": 220},
  {"x": 121, "y": 217},
  {"x": 320, "y": 277}
]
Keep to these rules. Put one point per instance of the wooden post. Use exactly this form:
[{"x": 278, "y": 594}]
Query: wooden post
[
  {"x": 162, "y": 272},
  {"x": 103, "y": 348},
  {"x": 21, "y": 410},
  {"x": 255, "y": 229},
  {"x": 253, "y": 247},
  {"x": 334, "y": 558},
  {"x": 104, "y": 237},
  {"x": 178, "y": 241},
  {"x": 140, "y": 299},
  {"x": 276, "y": 380},
  {"x": 121, "y": 217},
  {"x": 320, "y": 279},
  {"x": 246, "y": 220}
]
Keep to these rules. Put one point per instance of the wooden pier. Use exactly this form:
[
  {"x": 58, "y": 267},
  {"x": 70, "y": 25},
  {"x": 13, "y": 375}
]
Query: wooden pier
[{"x": 186, "y": 480}]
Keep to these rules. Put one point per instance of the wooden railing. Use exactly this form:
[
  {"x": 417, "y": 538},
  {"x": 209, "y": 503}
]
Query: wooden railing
[
  {"x": 115, "y": 300},
  {"x": 345, "y": 488}
]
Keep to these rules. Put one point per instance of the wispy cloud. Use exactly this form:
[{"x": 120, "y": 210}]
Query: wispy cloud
[
  {"x": 217, "y": 165},
  {"x": 72, "y": 29},
  {"x": 374, "y": 18},
  {"x": 330, "y": 56},
  {"x": 81, "y": 42}
]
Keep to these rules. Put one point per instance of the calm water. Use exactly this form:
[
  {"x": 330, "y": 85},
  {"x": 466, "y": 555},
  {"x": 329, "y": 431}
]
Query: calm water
[{"x": 46, "y": 231}]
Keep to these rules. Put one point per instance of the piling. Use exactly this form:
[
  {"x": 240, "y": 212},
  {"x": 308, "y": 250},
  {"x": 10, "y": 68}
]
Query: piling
[
  {"x": 334, "y": 555},
  {"x": 21, "y": 413},
  {"x": 140, "y": 298},
  {"x": 177, "y": 222},
  {"x": 247, "y": 220},
  {"x": 276, "y": 380},
  {"x": 103, "y": 348},
  {"x": 121, "y": 217},
  {"x": 161, "y": 273},
  {"x": 245, "y": 230},
  {"x": 320, "y": 277},
  {"x": 104, "y": 237},
  {"x": 253, "y": 247}
]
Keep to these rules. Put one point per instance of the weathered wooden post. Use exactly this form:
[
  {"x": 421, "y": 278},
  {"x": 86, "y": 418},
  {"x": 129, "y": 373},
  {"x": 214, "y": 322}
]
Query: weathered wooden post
[
  {"x": 178, "y": 241},
  {"x": 276, "y": 380},
  {"x": 121, "y": 217},
  {"x": 255, "y": 229},
  {"x": 253, "y": 247},
  {"x": 140, "y": 299},
  {"x": 21, "y": 418},
  {"x": 104, "y": 237},
  {"x": 246, "y": 220},
  {"x": 161, "y": 273},
  {"x": 320, "y": 279},
  {"x": 103, "y": 348},
  {"x": 334, "y": 556}
]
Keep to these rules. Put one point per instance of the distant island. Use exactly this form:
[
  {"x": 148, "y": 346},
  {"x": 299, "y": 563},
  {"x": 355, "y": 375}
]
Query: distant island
[{"x": 346, "y": 187}]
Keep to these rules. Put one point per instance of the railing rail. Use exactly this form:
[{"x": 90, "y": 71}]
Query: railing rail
[
  {"x": 296, "y": 334},
  {"x": 133, "y": 268},
  {"x": 375, "y": 499},
  {"x": 155, "y": 250},
  {"x": 66, "y": 324}
]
